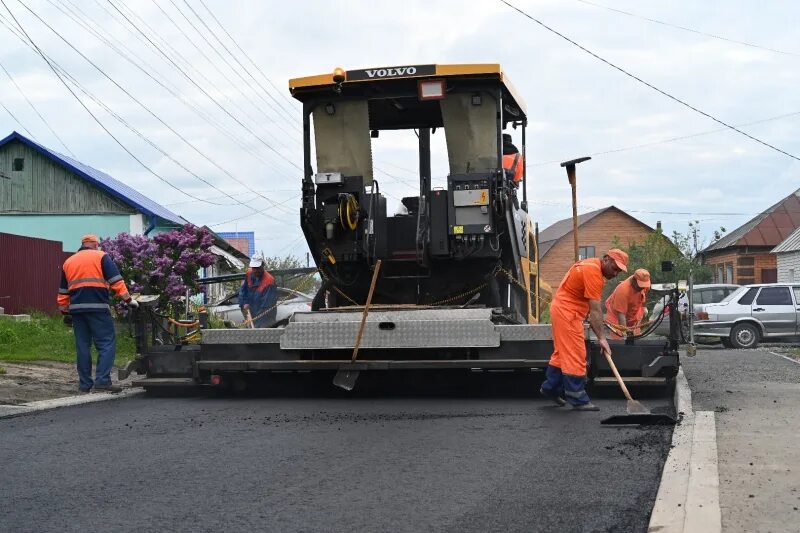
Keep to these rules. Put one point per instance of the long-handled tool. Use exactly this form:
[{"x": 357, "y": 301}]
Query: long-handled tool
[
  {"x": 249, "y": 318},
  {"x": 346, "y": 379},
  {"x": 637, "y": 413}
]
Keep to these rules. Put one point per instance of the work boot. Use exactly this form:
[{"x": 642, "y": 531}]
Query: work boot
[
  {"x": 585, "y": 407},
  {"x": 81, "y": 390},
  {"x": 107, "y": 388},
  {"x": 555, "y": 398}
]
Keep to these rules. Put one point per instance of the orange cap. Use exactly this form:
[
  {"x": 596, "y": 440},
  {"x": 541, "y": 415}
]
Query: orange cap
[
  {"x": 619, "y": 257},
  {"x": 90, "y": 238},
  {"x": 642, "y": 278}
]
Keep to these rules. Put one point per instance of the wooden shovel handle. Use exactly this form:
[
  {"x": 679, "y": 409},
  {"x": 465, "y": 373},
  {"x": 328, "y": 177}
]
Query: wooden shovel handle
[
  {"x": 249, "y": 318},
  {"x": 616, "y": 375},
  {"x": 366, "y": 310}
]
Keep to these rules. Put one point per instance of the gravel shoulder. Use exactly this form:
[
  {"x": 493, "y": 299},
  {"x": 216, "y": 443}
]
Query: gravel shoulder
[
  {"x": 41, "y": 380},
  {"x": 755, "y": 395}
]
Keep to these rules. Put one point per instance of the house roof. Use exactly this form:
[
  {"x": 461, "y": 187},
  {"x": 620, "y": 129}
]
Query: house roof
[
  {"x": 110, "y": 185},
  {"x": 769, "y": 228},
  {"x": 549, "y": 236},
  {"x": 790, "y": 244}
]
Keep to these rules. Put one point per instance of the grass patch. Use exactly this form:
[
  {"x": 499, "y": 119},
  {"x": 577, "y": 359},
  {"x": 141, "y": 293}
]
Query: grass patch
[
  {"x": 2, "y": 370},
  {"x": 46, "y": 338},
  {"x": 794, "y": 353}
]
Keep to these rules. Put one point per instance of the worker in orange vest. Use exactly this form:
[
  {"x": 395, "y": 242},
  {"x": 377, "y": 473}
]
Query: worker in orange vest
[
  {"x": 83, "y": 299},
  {"x": 513, "y": 162},
  {"x": 259, "y": 294},
  {"x": 625, "y": 306},
  {"x": 578, "y": 295}
]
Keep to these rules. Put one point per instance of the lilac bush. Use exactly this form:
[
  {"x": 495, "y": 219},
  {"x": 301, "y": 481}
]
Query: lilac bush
[{"x": 166, "y": 265}]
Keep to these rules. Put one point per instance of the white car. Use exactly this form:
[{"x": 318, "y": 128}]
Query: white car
[
  {"x": 703, "y": 294},
  {"x": 290, "y": 302}
]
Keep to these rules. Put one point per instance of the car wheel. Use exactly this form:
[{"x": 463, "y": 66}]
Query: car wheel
[
  {"x": 745, "y": 336},
  {"x": 726, "y": 342}
]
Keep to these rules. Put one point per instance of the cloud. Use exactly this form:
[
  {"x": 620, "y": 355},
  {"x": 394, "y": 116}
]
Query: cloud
[{"x": 576, "y": 104}]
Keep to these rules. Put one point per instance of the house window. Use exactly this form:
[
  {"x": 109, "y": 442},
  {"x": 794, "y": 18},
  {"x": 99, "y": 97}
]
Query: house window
[
  {"x": 791, "y": 276},
  {"x": 719, "y": 276},
  {"x": 729, "y": 273},
  {"x": 585, "y": 252},
  {"x": 18, "y": 165}
]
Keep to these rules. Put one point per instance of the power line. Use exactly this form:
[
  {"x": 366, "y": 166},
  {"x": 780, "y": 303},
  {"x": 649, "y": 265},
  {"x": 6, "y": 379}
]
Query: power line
[
  {"x": 245, "y": 69},
  {"x": 147, "y": 140},
  {"x": 671, "y": 139},
  {"x": 643, "y": 82},
  {"x": 222, "y": 75},
  {"x": 690, "y": 30},
  {"x": 35, "y": 110},
  {"x": 13, "y": 116},
  {"x": 247, "y": 56},
  {"x": 174, "y": 91},
  {"x": 239, "y": 194},
  {"x": 98, "y": 121},
  {"x": 200, "y": 88}
]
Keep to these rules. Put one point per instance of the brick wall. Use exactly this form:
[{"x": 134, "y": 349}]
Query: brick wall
[
  {"x": 788, "y": 267},
  {"x": 598, "y": 232},
  {"x": 750, "y": 267}
]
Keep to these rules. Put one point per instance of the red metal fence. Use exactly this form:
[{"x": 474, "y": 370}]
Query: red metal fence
[{"x": 30, "y": 272}]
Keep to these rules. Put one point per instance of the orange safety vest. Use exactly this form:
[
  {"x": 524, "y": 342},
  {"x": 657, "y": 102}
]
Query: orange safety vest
[
  {"x": 515, "y": 163},
  {"x": 85, "y": 281}
]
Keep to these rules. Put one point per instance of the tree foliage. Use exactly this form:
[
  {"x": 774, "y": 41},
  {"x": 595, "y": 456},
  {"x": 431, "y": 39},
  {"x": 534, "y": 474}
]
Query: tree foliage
[
  {"x": 166, "y": 265},
  {"x": 682, "y": 249}
]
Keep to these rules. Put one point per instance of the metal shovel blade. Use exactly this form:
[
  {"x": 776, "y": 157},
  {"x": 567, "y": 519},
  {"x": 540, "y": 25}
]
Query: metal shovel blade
[
  {"x": 636, "y": 408},
  {"x": 346, "y": 379}
]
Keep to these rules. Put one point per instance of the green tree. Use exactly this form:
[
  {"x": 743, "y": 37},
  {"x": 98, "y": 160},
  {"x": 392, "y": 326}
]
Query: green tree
[{"x": 303, "y": 283}]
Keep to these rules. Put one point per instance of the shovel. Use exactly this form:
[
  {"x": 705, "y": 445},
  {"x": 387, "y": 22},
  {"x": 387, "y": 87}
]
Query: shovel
[
  {"x": 346, "y": 379},
  {"x": 637, "y": 413},
  {"x": 249, "y": 318}
]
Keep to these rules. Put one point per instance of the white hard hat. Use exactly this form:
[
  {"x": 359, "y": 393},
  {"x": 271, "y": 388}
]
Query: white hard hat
[{"x": 256, "y": 261}]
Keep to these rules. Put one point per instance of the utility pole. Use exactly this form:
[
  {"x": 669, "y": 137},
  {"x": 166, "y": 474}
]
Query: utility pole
[{"x": 571, "y": 177}]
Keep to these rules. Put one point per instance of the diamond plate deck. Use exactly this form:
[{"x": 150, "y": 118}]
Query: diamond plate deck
[
  {"x": 393, "y": 315},
  {"x": 241, "y": 336},
  {"x": 403, "y": 334}
]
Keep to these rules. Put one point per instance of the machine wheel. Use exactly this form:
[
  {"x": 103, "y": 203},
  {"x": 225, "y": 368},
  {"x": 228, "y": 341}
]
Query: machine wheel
[
  {"x": 726, "y": 342},
  {"x": 745, "y": 336}
]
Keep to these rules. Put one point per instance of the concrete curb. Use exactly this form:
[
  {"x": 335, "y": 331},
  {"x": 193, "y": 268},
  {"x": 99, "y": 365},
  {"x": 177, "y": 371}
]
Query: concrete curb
[
  {"x": 68, "y": 401},
  {"x": 688, "y": 496},
  {"x": 795, "y": 361}
]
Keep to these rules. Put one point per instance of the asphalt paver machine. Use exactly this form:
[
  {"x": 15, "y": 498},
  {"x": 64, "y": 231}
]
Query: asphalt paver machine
[{"x": 458, "y": 286}]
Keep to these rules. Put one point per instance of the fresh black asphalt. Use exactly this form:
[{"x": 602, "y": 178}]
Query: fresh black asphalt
[{"x": 453, "y": 461}]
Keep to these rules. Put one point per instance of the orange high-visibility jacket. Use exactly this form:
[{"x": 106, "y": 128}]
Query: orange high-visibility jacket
[
  {"x": 627, "y": 301},
  {"x": 85, "y": 281},
  {"x": 514, "y": 163}
]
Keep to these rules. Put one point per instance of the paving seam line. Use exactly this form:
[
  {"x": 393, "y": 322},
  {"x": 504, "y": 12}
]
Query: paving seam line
[
  {"x": 688, "y": 495},
  {"x": 68, "y": 401},
  {"x": 795, "y": 361}
]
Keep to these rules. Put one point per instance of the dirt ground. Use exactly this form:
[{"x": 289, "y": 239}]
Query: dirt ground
[{"x": 43, "y": 380}]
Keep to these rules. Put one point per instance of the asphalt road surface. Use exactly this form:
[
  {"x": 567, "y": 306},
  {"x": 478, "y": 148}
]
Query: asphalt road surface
[{"x": 459, "y": 460}]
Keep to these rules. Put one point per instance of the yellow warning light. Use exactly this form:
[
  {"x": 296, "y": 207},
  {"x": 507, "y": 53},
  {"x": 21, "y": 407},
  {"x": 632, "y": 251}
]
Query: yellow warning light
[{"x": 339, "y": 75}]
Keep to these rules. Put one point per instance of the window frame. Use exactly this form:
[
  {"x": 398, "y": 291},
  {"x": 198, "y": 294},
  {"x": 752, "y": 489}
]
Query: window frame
[{"x": 775, "y": 290}]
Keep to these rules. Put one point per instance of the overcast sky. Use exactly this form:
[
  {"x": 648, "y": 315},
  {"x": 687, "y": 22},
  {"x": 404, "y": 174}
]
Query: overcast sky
[{"x": 247, "y": 139}]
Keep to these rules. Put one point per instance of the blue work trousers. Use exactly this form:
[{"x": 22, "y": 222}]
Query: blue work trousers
[
  {"x": 97, "y": 327},
  {"x": 572, "y": 388}
]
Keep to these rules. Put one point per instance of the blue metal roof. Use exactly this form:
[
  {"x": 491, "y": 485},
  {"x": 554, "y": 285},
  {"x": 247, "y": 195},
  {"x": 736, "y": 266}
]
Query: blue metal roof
[
  {"x": 249, "y": 235},
  {"x": 102, "y": 180}
]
